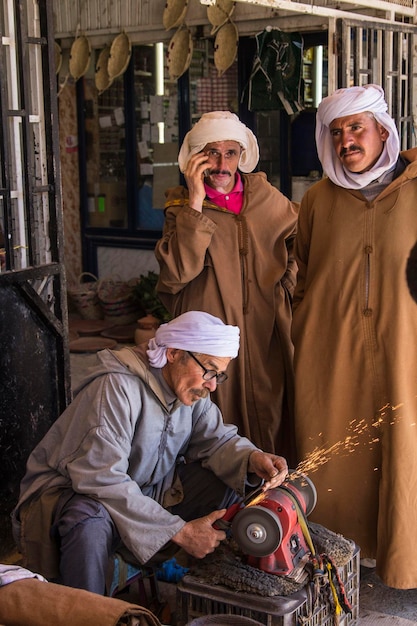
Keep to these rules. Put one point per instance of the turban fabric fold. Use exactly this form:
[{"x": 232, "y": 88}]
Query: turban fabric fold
[
  {"x": 220, "y": 126},
  {"x": 350, "y": 101},
  {"x": 195, "y": 331}
]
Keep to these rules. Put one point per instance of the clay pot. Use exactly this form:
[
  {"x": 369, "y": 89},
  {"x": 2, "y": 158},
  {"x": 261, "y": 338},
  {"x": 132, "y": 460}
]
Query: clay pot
[{"x": 146, "y": 328}]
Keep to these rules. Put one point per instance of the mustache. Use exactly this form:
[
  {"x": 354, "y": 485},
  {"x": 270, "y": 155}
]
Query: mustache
[
  {"x": 217, "y": 171},
  {"x": 352, "y": 148},
  {"x": 200, "y": 393}
]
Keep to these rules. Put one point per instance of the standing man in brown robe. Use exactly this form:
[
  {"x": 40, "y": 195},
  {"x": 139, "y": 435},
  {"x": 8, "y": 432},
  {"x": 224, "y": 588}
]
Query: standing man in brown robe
[
  {"x": 355, "y": 332},
  {"x": 227, "y": 250}
]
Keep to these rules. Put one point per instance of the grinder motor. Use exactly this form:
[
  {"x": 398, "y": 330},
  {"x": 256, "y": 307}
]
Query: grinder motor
[{"x": 268, "y": 526}]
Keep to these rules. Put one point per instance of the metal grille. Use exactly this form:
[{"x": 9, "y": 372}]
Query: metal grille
[
  {"x": 30, "y": 194},
  {"x": 28, "y": 191},
  {"x": 403, "y": 3},
  {"x": 382, "y": 55}
]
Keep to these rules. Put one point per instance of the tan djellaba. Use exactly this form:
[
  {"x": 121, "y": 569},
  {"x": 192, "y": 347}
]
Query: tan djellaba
[{"x": 355, "y": 338}]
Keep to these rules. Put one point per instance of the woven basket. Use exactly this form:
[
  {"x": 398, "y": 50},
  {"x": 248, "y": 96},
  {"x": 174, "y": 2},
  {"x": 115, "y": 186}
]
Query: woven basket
[
  {"x": 102, "y": 78},
  {"x": 58, "y": 57},
  {"x": 80, "y": 55},
  {"x": 174, "y": 13},
  {"x": 180, "y": 52},
  {"x": 225, "y": 47},
  {"x": 85, "y": 299},
  {"x": 117, "y": 300},
  {"x": 119, "y": 56},
  {"x": 219, "y": 13}
]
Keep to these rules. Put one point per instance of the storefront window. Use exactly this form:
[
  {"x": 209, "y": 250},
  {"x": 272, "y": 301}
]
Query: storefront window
[
  {"x": 106, "y": 157},
  {"x": 210, "y": 91},
  {"x": 129, "y": 147},
  {"x": 131, "y": 138}
]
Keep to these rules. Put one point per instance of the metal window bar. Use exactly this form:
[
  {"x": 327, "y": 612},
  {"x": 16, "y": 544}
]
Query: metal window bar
[
  {"x": 30, "y": 190},
  {"x": 381, "y": 54},
  {"x": 27, "y": 184},
  {"x": 5, "y": 157}
]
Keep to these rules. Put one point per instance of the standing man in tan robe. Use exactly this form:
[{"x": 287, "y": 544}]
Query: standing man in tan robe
[
  {"x": 227, "y": 250},
  {"x": 355, "y": 332}
]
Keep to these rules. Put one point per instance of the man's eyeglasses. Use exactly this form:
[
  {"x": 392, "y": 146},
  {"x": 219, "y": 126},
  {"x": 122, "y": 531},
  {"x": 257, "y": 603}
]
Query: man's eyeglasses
[
  {"x": 214, "y": 154},
  {"x": 210, "y": 374}
]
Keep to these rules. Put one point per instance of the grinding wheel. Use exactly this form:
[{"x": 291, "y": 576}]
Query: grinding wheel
[
  {"x": 305, "y": 485},
  {"x": 257, "y": 531}
]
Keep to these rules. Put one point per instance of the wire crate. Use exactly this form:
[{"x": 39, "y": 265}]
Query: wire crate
[{"x": 196, "y": 599}]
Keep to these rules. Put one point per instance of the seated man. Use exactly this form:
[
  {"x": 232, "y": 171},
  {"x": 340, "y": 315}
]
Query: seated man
[{"x": 141, "y": 458}]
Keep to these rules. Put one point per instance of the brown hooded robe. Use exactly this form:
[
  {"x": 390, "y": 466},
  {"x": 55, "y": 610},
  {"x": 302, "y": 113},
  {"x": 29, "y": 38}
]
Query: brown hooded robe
[
  {"x": 355, "y": 338},
  {"x": 239, "y": 268}
]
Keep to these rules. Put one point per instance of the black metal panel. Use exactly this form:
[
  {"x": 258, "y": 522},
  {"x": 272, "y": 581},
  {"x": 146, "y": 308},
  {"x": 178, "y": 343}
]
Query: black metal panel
[
  {"x": 29, "y": 393},
  {"x": 35, "y": 382}
]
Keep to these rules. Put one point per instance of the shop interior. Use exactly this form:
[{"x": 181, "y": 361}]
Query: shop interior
[{"x": 102, "y": 158}]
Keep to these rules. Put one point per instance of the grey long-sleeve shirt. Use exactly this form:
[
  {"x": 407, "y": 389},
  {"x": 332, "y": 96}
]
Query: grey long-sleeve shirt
[{"x": 119, "y": 441}]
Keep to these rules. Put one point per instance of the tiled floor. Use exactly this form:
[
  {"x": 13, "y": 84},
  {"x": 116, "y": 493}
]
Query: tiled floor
[{"x": 379, "y": 605}]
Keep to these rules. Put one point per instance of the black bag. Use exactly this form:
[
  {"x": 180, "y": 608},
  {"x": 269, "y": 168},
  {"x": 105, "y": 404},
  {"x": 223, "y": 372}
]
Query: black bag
[{"x": 275, "y": 80}]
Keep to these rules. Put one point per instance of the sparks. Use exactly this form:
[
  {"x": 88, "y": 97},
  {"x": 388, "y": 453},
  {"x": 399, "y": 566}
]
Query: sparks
[{"x": 356, "y": 430}]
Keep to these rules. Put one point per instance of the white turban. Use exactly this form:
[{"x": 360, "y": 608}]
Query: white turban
[
  {"x": 349, "y": 101},
  {"x": 195, "y": 331},
  {"x": 220, "y": 126}
]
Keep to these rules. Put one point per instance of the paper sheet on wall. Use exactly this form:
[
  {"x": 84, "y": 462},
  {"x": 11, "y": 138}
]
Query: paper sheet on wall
[
  {"x": 144, "y": 110},
  {"x": 154, "y": 134},
  {"x": 146, "y": 131},
  {"x": 146, "y": 169},
  {"x": 171, "y": 112},
  {"x": 157, "y": 109},
  {"x": 143, "y": 149},
  {"x": 165, "y": 171},
  {"x": 168, "y": 134},
  {"x": 119, "y": 116},
  {"x": 105, "y": 121}
]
